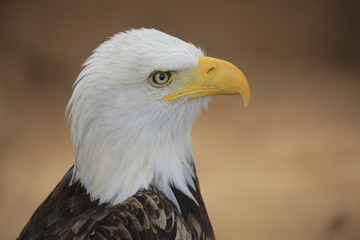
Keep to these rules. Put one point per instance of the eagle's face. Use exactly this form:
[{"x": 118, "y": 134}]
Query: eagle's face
[{"x": 132, "y": 110}]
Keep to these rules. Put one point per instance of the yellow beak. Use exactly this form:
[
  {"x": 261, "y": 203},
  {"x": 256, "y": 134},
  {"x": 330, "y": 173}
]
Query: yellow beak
[{"x": 214, "y": 76}]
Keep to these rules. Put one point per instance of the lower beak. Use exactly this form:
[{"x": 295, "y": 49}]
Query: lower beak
[{"x": 213, "y": 77}]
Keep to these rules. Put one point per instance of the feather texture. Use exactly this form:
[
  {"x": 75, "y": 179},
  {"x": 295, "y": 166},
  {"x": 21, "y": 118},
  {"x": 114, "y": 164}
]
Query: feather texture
[{"x": 68, "y": 213}]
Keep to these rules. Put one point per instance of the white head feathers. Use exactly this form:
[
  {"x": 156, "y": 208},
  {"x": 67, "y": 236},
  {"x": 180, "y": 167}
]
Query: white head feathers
[{"x": 125, "y": 137}]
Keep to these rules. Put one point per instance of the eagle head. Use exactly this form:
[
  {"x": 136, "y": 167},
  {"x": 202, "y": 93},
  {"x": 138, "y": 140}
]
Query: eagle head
[{"x": 132, "y": 110}]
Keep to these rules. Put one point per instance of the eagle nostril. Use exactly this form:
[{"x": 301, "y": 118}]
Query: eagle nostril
[{"x": 211, "y": 72}]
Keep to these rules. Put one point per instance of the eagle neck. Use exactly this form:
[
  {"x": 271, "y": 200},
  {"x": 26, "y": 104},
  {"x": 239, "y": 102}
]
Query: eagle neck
[{"x": 115, "y": 166}]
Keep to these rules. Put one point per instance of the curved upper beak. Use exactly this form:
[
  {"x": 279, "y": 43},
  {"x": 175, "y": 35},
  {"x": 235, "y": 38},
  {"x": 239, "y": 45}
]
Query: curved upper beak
[{"x": 214, "y": 76}]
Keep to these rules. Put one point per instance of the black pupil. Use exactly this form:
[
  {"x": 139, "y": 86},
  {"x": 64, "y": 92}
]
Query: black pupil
[{"x": 162, "y": 76}]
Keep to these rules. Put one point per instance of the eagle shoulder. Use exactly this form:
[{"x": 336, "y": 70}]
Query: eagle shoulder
[{"x": 68, "y": 213}]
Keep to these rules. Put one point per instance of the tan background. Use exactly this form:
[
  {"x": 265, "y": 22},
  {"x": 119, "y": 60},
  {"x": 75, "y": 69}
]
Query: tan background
[{"x": 287, "y": 167}]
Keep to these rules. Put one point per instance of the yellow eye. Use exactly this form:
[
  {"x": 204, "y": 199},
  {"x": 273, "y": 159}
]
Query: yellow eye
[{"x": 161, "y": 78}]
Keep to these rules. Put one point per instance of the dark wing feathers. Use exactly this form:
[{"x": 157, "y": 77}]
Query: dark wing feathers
[{"x": 68, "y": 213}]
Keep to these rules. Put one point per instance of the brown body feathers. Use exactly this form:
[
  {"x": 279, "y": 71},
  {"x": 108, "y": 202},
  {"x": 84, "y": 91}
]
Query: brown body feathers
[{"x": 68, "y": 213}]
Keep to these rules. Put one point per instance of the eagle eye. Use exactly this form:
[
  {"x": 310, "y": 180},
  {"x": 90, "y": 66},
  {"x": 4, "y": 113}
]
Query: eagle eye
[{"x": 161, "y": 78}]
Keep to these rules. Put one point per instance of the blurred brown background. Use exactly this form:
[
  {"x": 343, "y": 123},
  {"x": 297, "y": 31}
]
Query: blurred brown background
[{"x": 287, "y": 167}]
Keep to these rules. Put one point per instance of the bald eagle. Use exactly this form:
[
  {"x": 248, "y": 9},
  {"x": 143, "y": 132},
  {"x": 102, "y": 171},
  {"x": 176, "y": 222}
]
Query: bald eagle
[{"x": 131, "y": 115}]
